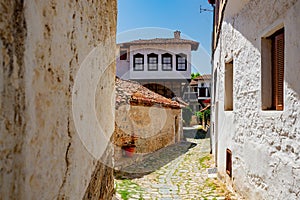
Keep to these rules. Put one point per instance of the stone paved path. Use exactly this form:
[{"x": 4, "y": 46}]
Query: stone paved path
[{"x": 176, "y": 172}]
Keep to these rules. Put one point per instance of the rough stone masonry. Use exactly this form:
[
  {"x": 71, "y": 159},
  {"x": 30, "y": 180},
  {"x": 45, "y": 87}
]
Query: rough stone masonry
[{"x": 42, "y": 47}]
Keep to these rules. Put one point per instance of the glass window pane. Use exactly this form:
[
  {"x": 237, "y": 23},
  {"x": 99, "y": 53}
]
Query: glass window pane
[
  {"x": 152, "y": 66},
  {"x": 152, "y": 60},
  {"x": 138, "y": 66},
  {"x": 167, "y": 66},
  {"x": 138, "y": 60},
  {"x": 181, "y": 66},
  {"x": 166, "y": 59},
  {"x": 181, "y": 60}
]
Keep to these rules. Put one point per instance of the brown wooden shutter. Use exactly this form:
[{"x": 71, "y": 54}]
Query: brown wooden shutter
[
  {"x": 217, "y": 7},
  {"x": 229, "y": 162},
  {"x": 278, "y": 71}
]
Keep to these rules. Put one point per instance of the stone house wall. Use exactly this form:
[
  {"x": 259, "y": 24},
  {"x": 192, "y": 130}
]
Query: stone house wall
[
  {"x": 43, "y": 44},
  {"x": 154, "y": 127},
  {"x": 265, "y": 144}
]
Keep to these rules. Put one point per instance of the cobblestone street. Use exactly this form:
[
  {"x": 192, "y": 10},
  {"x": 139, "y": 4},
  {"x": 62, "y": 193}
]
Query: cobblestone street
[{"x": 176, "y": 172}]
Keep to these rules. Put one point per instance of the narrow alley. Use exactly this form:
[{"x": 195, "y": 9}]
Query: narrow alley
[
  {"x": 150, "y": 100},
  {"x": 178, "y": 171}
]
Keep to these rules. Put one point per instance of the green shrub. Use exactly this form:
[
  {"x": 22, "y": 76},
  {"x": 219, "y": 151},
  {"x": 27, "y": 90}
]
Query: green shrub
[
  {"x": 200, "y": 115},
  {"x": 205, "y": 114}
]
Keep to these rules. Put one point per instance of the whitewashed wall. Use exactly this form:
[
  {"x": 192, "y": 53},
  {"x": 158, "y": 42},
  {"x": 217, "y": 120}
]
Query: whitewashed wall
[
  {"x": 265, "y": 144},
  {"x": 123, "y": 66}
]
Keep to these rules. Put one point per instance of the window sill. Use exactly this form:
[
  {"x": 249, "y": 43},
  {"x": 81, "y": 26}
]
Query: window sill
[
  {"x": 138, "y": 70},
  {"x": 271, "y": 113},
  {"x": 151, "y": 70}
]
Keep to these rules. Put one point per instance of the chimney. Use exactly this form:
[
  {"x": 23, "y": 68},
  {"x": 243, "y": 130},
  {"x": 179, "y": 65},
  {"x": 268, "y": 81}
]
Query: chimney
[{"x": 177, "y": 34}]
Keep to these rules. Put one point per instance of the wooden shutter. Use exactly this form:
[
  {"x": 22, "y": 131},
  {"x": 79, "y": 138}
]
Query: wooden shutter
[
  {"x": 229, "y": 162},
  {"x": 278, "y": 71},
  {"x": 217, "y": 7}
]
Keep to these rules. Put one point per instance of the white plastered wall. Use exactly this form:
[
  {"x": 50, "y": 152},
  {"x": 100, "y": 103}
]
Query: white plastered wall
[{"x": 265, "y": 144}]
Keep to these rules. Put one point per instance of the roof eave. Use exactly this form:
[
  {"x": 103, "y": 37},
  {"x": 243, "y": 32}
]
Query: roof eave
[{"x": 194, "y": 44}]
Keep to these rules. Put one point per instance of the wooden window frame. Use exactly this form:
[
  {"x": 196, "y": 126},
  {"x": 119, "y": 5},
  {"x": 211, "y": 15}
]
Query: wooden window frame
[
  {"x": 178, "y": 62},
  {"x": 228, "y": 86},
  {"x": 229, "y": 162},
  {"x": 135, "y": 63},
  {"x": 278, "y": 70},
  {"x": 163, "y": 63},
  {"x": 272, "y": 77},
  {"x": 149, "y": 56}
]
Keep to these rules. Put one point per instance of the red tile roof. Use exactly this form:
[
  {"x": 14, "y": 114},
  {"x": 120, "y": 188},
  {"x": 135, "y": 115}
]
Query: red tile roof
[
  {"x": 131, "y": 92},
  {"x": 204, "y": 77},
  {"x": 193, "y": 82},
  {"x": 194, "y": 44}
]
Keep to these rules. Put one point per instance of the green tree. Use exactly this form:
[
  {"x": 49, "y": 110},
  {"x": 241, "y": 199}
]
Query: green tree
[{"x": 194, "y": 75}]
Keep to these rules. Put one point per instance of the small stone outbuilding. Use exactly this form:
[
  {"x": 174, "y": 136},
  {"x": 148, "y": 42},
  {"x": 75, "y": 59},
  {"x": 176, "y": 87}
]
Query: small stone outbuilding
[{"x": 151, "y": 119}]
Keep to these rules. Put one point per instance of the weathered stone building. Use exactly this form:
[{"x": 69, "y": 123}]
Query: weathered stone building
[
  {"x": 43, "y": 45},
  {"x": 256, "y": 97},
  {"x": 153, "y": 120}
]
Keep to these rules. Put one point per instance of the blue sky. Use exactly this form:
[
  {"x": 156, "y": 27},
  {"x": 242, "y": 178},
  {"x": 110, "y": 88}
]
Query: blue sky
[{"x": 144, "y": 19}]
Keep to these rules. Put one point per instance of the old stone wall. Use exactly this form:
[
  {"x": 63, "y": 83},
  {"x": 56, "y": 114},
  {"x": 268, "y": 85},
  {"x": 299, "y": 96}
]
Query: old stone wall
[
  {"x": 265, "y": 144},
  {"x": 43, "y": 45},
  {"x": 154, "y": 127}
]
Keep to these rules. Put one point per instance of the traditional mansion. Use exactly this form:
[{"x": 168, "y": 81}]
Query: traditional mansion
[{"x": 163, "y": 65}]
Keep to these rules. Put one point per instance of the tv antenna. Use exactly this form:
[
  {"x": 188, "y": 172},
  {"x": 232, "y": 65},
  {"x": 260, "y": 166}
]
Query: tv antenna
[{"x": 205, "y": 10}]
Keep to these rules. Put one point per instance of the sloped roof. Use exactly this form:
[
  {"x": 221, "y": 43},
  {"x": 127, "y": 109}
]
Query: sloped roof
[
  {"x": 180, "y": 101},
  {"x": 194, "y": 44},
  {"x": 131, "y": 92},
  {"x": 193, "y": 82},
  {"x": 204, "y": 77}
]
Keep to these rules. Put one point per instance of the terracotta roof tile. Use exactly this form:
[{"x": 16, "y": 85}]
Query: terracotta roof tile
[
  {"x": 131, "y": 92},
  {"x": 193, "y": 82},
  {"x": 204, "y": 77}
]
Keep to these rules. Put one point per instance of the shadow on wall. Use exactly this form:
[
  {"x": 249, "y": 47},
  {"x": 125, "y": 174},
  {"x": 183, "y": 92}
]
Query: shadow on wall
[{"x": 154, "y": 161}]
